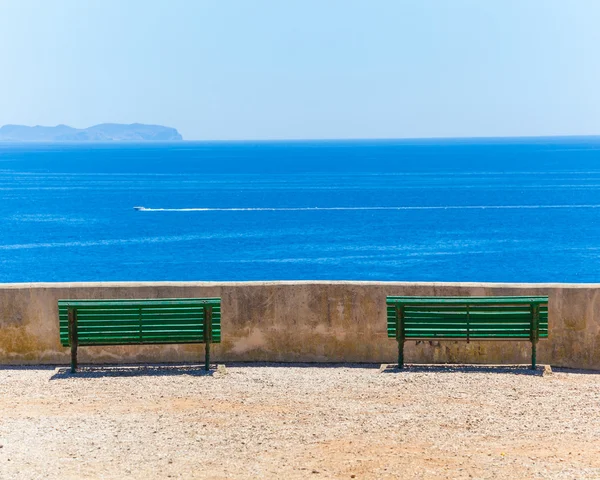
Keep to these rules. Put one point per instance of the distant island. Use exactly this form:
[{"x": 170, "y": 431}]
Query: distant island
[{"x": 105, "y": 132}]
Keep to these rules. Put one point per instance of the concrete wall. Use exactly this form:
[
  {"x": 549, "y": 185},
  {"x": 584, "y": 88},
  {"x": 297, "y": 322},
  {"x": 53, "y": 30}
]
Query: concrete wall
[{"x": 300, "y": 322}]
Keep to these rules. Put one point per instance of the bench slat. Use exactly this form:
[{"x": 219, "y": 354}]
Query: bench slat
[
  {"x": 466, "y": 300},
  {"x": 391, "y": 307},
  {"x": 127, "y": 303},
  {"x": 464, "y": 318}
]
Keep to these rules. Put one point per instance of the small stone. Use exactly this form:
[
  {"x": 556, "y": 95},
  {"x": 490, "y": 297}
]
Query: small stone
[
  {"x": 315, "y": 471},
  {"x": 221, "y": 369}
]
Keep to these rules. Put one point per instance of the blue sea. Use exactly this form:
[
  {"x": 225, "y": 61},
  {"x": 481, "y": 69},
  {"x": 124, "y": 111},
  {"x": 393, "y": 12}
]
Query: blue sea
[{"x": 507, "y": 210}]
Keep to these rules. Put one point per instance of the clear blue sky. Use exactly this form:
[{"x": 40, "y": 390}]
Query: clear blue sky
[{"x": 276, "y": 69}]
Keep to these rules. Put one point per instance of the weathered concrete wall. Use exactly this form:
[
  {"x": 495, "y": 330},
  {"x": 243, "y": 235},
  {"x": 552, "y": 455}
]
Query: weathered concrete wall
[{"x": 300, "y": 322}]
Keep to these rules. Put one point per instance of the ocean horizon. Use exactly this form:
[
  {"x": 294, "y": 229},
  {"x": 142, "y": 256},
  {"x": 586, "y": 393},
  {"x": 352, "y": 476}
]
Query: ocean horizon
[{"x": 523, "y": 209}]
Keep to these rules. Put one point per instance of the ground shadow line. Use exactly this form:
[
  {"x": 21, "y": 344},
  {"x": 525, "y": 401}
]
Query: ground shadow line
[
  {"x": 102, "y": 371},
  {"x": 461, "y": 368}
]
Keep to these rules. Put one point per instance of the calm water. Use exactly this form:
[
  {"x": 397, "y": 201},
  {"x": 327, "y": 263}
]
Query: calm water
[{"x": 502, "y": 210}]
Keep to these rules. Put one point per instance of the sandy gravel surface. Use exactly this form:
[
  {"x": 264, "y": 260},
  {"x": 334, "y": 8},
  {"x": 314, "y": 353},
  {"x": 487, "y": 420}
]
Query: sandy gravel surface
[{"x": 286, "y": 421}]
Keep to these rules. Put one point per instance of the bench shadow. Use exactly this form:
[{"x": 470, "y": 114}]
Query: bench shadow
[
  {"x": 103, "y": 371},
  {"x": 455, "y": 368}
]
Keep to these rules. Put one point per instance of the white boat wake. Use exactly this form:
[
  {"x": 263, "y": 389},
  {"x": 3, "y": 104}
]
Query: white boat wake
[{"x": 312, "y": 209}]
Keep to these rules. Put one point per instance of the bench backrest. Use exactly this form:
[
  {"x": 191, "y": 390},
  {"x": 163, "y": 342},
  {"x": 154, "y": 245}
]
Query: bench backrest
[
  {"x": 468, "y": 317},
  {"x": 147, "y": 321}
]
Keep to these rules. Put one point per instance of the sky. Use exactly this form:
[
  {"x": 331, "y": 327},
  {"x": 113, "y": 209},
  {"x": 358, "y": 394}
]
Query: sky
[{"x": 305, "y": 69}]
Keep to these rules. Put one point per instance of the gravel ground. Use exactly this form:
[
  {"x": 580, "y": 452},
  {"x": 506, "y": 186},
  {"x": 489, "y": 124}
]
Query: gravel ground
[{"x": 298, "y": 421}]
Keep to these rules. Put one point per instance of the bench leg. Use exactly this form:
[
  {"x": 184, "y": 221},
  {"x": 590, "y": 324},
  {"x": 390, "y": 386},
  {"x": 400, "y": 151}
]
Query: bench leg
[
  {"x": 73, "y": 357},
  {"x": 400, "y": 354},
  {"x": 207, "y": 356},
  {"x": 73, "y": 338},
  {"x": 533, "y": 355}
]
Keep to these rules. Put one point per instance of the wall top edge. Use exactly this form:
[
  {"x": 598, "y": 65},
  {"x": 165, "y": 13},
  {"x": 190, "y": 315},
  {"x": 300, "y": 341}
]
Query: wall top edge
[{"x": 57, "y": 285}]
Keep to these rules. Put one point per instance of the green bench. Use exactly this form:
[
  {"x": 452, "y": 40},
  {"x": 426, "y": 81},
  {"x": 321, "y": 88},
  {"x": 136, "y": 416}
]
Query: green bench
[
  {"x": 467, "y": 318},
  {"x": 86, "y": 323}
]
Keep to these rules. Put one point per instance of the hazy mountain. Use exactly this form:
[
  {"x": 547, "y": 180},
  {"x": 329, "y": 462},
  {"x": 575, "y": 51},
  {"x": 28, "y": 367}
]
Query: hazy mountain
[{"x": 105, "y": 132}]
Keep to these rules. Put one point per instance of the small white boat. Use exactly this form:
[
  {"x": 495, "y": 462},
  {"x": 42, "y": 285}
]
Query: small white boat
[{"x": 139, "y": 208}]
